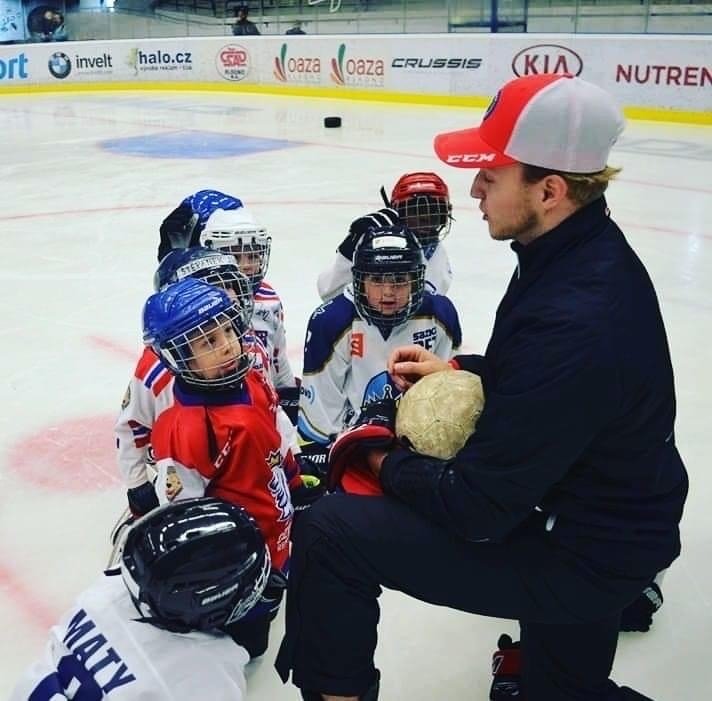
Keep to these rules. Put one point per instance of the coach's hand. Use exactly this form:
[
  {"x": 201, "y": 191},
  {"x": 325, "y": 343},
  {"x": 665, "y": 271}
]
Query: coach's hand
[{"x": 407, "y": 364}]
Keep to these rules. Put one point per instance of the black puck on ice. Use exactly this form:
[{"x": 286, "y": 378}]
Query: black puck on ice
[{"x": 331, "y": 122}]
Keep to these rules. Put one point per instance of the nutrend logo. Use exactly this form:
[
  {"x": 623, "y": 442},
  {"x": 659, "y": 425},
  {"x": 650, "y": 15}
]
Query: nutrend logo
[
  {"x": 297, "y": 69},
  {"x": 357, "y": 72}
]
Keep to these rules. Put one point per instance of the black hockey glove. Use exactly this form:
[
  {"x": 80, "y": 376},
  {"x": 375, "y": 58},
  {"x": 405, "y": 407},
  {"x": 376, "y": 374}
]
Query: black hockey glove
[
  {"x": 506, "y": 670},
  {"x": 374, "y": 428},
  {"x": 307, "y": 493},
  {"x": 638, "y": 616},
  {"x": 289, "y": 401},
  {"x": 313, "y": 459},
  {"x": 381, "y": 219},
  {"x": 178, "y": 230},
  {"x": 274, "y": 591},
  {"x": 142, "y": 499}
]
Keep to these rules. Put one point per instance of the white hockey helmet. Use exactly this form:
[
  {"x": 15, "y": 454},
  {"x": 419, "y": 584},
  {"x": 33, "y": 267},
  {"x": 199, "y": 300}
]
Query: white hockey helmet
[{"x": 235, "y": 231}]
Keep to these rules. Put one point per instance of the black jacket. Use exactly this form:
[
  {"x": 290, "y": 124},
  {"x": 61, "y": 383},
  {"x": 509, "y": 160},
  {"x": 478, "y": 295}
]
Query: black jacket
[{"x": 579, "y": 410}]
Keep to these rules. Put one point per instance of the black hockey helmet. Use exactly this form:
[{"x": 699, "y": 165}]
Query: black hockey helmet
[
  {"x": 214, "y": 267},
  {"x": 197, "y": 564},
  {"x": 393, "y": 258}
]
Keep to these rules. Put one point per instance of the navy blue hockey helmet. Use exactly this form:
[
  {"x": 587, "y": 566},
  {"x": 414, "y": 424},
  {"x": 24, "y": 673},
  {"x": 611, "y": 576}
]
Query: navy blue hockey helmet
[
  {"x": 215, "y": 267},
  {"x": 388, "y": 276},
  {"x": 197, "y": 564},
  {"x": 193, "y": 327}
]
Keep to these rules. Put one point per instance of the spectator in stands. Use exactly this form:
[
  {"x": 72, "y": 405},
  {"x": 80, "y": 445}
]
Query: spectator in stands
[
  {"x": 296, "y": 28},
  {"x": 243, "y": 26}
]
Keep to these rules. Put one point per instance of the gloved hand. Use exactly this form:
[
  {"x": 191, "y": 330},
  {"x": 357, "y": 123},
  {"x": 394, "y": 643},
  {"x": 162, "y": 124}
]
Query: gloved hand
[
  {"x": 506, "y": 670},
  {"x": 377, "y": 220},
  {"x": 374, "y": 428},
  {"x": 307, "y": 493},
  {"x": 274, "y": 591},
  {"x": 177, "y": 230},
  {"x": 289, "y": 401},
  {"x": 142, "y": 499},
  {"x": 313, "y": 459},
  {"x": 638, "y": 616}
]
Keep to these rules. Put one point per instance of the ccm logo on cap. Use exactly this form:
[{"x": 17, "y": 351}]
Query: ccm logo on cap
[{"x": 471, "y": 158}]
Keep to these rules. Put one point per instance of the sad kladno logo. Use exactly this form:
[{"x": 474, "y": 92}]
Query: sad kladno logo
[{"x": 357, "y": 72}]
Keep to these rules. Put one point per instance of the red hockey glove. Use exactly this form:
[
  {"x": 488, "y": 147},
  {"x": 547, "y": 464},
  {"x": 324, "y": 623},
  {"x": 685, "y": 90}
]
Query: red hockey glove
[{"x": 375, "y": 428}]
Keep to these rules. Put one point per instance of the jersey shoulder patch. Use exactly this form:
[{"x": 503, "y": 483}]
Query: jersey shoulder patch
[{"x": 327, "y": 325}]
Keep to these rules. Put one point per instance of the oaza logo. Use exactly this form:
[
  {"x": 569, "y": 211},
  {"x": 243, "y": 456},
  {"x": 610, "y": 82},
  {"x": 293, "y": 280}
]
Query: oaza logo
[
  {"x": 357, "y": 72},
  {"x": 302, "y": 69}
]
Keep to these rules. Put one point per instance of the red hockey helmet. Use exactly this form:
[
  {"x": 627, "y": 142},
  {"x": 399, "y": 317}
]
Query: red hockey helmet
[{"x": 423, "y": 202}]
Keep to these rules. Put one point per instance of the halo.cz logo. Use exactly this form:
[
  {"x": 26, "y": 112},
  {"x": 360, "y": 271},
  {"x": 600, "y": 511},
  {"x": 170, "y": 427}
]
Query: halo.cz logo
[
  {"x": 233, "y": 62},
  {"x": 59, "y": 64}
]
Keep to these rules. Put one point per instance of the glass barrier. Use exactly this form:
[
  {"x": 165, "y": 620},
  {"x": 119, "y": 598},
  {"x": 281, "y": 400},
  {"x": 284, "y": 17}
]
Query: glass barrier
[{"x": 58, "y": 20}]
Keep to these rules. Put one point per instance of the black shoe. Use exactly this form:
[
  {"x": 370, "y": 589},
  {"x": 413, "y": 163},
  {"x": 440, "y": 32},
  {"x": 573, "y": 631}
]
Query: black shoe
[
  {"x": 638, "y": 616},
  {"x": 370, "y": 695}
]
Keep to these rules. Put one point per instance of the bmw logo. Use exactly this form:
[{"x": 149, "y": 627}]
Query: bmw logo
[{"x": 59, "y": 65}]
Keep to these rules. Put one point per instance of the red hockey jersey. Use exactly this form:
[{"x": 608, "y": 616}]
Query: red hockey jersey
[{"x": 230, "y": 448}]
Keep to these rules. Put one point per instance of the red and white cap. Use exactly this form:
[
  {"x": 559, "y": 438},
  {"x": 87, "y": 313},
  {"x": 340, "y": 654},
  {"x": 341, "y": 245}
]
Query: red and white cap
[{"x": 549, "y": 120}]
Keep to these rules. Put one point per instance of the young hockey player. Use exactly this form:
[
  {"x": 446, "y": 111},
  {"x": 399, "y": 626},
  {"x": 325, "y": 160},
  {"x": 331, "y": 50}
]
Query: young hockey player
[
  {"x": 349, "y": 338},
  {"x": 150, "y": 390},
  {"x": 221, "y": 436},
  {"x": 150, "y": 630},
  {"x": 422, "y": 202},
  {"x": 235, "y": 231}
]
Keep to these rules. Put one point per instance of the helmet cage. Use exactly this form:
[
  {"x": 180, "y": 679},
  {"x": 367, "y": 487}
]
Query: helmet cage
[
  {"x": 247, "y": 239},
  {"x": 427, "y": 216},
  {"x": 178, "y": 351}
]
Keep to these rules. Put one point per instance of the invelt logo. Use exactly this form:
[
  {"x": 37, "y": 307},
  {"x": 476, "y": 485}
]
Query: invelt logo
[
  {"x": 59, "y": 65},
  {"x": 299, "y": 69},
  {"x": 546, "y": 58},
  {"x": 357, "y": 72},
  {"x": 233, "y": 62},
  {"x": 14, "y": 68}
]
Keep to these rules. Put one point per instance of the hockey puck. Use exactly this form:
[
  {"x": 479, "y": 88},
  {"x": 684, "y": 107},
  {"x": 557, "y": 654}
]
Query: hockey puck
[{"x": 331, "y": 122}]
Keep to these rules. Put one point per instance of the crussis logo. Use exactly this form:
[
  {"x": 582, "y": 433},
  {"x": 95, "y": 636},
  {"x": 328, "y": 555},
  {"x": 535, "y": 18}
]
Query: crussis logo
[
  {"x": 357, "y": 72},
  {"x": 296, "y": 68},
  {"x": 437, "y": 63}
]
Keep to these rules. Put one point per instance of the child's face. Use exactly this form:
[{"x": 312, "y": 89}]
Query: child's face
[
  {"x": 215, "y": 351},
  {"x": 249, "y": 262},
  {"x": 389, "y": 293}
]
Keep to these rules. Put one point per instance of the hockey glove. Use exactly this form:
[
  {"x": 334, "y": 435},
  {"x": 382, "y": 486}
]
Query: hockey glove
[
  {"x": 638, "y": 616},
  {"x": 142, "y": 499},
  {"x": 307, "y": 493},
  {"x": 289, "y": 401},
  {"x": 313, "y": 459},
  {"x": 377, "y": 220},
  {"x": 375, "y": 428},
  {"x": 177, "y": 230},
  {"x": 274, "y": 591},
  {"x": 506, "y": 670}
]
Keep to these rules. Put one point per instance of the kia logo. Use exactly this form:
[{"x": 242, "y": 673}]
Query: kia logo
[{"x": 546, "y": 58}]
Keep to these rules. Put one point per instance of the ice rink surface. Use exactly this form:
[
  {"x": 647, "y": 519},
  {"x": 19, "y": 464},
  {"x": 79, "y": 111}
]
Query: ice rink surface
[{"x": 85, "y": 182}]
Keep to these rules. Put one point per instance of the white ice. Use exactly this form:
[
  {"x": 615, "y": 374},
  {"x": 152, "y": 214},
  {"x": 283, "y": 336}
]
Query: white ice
[{"x": 79, "y": 232}]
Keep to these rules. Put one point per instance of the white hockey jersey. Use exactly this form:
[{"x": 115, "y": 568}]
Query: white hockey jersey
[
  {"x": 100, "y": 651},
  {"x": 149, "y": 393},
  {"x": 268, "y": 325},
  {"x": 333, "y": 280},
  {"x": 345, "y": 360}
]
